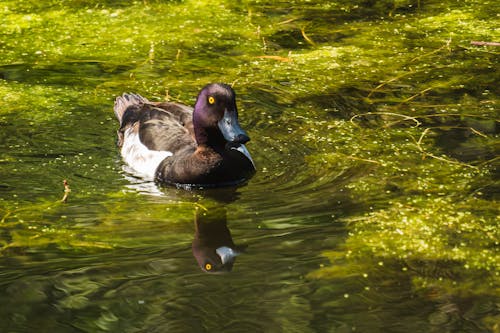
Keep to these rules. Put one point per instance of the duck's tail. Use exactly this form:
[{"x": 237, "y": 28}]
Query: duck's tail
[{"x": 126, "y": 100}]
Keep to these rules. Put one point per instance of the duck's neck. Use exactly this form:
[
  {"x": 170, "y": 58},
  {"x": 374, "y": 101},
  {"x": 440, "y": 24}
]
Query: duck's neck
[
  {"x": 200, "y": 135},
  {"x": 200, "y": 132},
  {"x": 209, "y": 137}
]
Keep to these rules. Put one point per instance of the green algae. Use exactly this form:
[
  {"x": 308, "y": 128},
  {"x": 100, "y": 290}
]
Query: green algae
[{"x": 384, "y": 105}]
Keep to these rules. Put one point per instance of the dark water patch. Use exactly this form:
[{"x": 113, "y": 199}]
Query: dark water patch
[
  {"x": 341, "y": 103},
  {"x": 218, "y": 46},
  {"x": 296, "y": 38},
  {"x": 4, "y": 187},
  {"x": 465, "y": 145},
  {"x": 288, "y": 39},
  {"x": 313, "y": 24},
  {"x": 441, "y": 309},
  {"x": 490, "y": 190},
  {"x": 265, "y": 105},
  {"x": 65, "y": 73},
  {"x": 338, "y": 11}
]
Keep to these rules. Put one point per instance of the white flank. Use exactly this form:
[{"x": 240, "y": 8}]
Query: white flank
[{"x": 142, "y": 160}]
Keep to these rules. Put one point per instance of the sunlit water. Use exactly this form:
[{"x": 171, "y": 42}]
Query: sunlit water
[{"x": 117, "y": 256}]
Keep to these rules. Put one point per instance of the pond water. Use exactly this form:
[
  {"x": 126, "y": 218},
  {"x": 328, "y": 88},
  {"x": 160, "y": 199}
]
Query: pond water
[{"x": 374, "y": 129}]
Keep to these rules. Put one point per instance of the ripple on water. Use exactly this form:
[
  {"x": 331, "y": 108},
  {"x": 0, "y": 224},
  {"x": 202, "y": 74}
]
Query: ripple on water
[{"x": 288, "y": 187}]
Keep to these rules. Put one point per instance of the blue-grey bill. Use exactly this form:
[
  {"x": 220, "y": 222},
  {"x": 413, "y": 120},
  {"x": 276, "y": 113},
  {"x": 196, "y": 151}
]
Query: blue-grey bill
[
  {"x": 230, "y": 128},
  {"x": 226, "y": 254}
]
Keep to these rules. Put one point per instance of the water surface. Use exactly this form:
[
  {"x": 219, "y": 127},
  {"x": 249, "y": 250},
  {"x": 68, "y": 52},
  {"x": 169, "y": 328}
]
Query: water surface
[{"x": 374, "y": 129}]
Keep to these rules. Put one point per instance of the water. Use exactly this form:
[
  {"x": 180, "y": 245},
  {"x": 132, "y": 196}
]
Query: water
[{"x": 374, "y": 130}]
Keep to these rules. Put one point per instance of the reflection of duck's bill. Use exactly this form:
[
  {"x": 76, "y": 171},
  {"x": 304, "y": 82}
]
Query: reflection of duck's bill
[{"x": 226, "y": 254}]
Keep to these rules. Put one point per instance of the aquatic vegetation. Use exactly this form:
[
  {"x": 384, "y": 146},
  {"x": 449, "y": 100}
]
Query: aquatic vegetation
[{"x": 374, "y": 129}]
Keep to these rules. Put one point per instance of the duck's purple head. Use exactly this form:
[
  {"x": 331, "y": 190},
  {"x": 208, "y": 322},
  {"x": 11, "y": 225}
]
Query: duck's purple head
[{"x": 215, "y": 117}]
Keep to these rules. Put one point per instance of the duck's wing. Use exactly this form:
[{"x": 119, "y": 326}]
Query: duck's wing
[
  {"x": 182, "y": 112},
  {"x": 166, "y": 127},
  {"x": 160, "y": 126}
]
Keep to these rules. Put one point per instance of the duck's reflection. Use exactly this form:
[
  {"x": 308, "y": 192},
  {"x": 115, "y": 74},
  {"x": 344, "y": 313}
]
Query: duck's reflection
[{"x": 213, "y": 246}]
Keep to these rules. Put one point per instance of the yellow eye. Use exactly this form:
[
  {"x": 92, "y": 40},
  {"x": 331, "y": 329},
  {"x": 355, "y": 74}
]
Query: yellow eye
[
  {"x": 208, "y": 267},
  {"x": 211, "y": 100}
]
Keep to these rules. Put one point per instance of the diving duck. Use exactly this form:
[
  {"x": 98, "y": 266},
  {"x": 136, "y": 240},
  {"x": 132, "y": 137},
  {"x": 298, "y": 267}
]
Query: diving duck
[{"x": 176, "y": 144}]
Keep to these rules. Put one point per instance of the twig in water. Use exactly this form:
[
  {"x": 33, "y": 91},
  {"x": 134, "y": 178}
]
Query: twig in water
[
  {"x": 405, "y": 117},
  {"x": 197, "y": 205},
  {"x": 309, "y": 40},
  {"x": 484, "y": 43},
  {"x": 289, "y": 21},
  {"x": 389, "y": 81},
  {"x": 278, "y": 58},
  {"x": 416, "y": 95},
  {"x": 151, "y": 54},
  {"x": 425, "y": 153},
  {"x": 66, "y": 191},
  {"x": 363, "y": 159},
  {"x": 234, "y": 82},
  {"x": 446, "y": 45},
  {"x": 475, "y": 131},
  {"x": 5, "y": 216}
]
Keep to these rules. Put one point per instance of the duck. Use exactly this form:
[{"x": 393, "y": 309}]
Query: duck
[{"x": 174, "y": 144}]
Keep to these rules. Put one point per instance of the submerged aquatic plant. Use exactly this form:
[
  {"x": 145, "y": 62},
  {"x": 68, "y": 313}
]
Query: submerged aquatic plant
[{"x": 381, "y": 116}]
